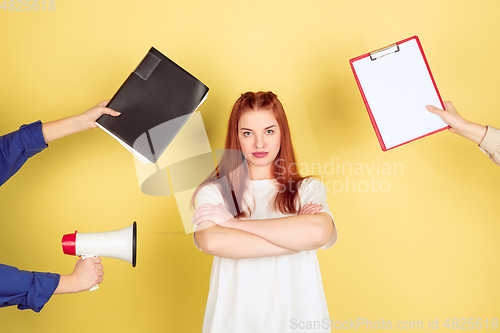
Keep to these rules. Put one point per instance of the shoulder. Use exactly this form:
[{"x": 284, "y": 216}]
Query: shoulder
[
  {"x": 209, "y": 193},
  {"x": 312, "y": 190},
  {"x": 311, "y": 183}
]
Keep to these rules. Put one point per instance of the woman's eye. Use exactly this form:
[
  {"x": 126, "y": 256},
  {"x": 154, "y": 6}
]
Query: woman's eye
[
  {"x": 247, "y": 133},
  {"x": 269, "y": 131}
]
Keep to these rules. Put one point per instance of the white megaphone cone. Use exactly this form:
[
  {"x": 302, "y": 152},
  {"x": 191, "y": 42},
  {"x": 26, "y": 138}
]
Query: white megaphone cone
[{"x": 119, "y": 244}]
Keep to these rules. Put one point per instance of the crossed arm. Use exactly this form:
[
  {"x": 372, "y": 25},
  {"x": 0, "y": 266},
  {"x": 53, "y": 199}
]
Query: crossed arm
[{"x": 220, "y": 234}]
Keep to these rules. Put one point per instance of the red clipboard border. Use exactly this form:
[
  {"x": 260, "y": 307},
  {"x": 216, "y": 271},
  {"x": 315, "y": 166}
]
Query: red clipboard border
[{"x": 372, "y": 119}]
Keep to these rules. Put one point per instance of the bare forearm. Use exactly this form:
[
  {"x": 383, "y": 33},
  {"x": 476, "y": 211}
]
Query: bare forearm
[
  {"x": 65, "y": 286},
  {"x": 472, "y": 131},
  {"x": 63, "y": 127},
  {"x": 236, "y": 244},
  {"x": 299, "y": 233}
]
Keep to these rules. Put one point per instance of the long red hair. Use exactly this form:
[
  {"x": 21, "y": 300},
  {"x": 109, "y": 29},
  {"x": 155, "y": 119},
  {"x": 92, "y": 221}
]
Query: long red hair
[{"x": 231, "y": 174}]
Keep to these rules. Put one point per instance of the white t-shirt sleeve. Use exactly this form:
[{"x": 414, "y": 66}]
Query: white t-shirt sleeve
[
  {"x": 209, "y": 194},
  {"x": 313, "y": 191}
]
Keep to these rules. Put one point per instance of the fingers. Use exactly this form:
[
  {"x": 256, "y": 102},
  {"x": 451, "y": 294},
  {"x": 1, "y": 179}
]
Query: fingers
[
  {"x": 197, "y": 219},
  {"x": 91, "y": 115},
  {"x": 92, "y": 263},
  {"x": 111, "y": 112},
  {"x": 103, "y": 103},
  {"x": 310, "y": 208},
  {"x": 213, "y": 213},
  {"x": 435, "y": 110},
  {"x": 204, "y": 215},
  {"x": 99, "y": 272},
  {"x": 105, "y": 110},
  {"x": 87, "y": 273},
  {"x": 95, "y": 260},
  {"x": 202, "y": 210},
  {"x": 205, "y": 211},
  {"x": 449, "y": 106}
]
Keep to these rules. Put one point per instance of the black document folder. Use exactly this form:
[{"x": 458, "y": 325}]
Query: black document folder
[{"x": 155, "y": 101}]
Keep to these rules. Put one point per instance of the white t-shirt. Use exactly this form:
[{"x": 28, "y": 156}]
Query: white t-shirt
[{"x": 270, "y": 294}]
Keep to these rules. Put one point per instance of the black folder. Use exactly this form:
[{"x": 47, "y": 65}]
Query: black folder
[{"x": 155, "y": 101}]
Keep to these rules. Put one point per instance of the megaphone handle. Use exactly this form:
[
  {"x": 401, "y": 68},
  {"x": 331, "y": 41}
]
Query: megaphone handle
[{"x": 85, "y": 256}]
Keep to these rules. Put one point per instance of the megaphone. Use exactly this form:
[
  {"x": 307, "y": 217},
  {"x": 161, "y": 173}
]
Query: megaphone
[{"x": 119, "y": 244}]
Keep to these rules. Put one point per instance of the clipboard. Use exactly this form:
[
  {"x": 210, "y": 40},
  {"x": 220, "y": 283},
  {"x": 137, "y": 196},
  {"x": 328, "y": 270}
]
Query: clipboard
[{"x": 396, "y": 84}]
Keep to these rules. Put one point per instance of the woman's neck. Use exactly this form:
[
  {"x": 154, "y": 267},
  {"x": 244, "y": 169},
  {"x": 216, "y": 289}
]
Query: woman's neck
[{"x": 260, "y": 173}]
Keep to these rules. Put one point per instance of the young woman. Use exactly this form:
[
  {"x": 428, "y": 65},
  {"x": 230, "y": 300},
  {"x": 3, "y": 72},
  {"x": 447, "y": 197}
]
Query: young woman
[{"x": 263, "y": 230}]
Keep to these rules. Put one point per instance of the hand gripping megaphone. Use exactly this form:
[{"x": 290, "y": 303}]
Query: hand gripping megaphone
[{"x": 119, "y": 244}]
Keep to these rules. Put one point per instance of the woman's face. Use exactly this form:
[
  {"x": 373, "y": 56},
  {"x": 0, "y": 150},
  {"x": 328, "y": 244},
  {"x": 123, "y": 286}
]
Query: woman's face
[{"x": 260, "y": 140}]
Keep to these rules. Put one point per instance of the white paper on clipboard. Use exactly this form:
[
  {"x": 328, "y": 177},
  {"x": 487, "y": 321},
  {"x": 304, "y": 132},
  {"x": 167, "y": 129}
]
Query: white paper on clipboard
[{"x": 397, "y": 85}]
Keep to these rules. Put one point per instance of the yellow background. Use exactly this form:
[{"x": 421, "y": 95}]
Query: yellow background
[{"x": 426, "y": 249}]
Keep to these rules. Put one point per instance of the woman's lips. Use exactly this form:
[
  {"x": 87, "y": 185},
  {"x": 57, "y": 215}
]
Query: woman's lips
[{"x": 260, "y": 154}]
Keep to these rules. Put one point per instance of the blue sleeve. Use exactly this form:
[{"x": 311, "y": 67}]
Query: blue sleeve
[
  {"x": 18, "y": 146},
  {"x": 27, "y": 290}
]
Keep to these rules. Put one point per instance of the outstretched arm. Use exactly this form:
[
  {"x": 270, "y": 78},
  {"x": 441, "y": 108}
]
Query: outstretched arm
[
  {"x": 63, "y": 127},
  {"x": 29, "y": 140},
  {"x": 487, "y": 137},
  {"x": 32, "y": 290}
]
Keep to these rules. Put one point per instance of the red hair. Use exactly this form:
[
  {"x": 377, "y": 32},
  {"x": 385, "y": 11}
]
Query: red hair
[{"x": 229, "y": 175}]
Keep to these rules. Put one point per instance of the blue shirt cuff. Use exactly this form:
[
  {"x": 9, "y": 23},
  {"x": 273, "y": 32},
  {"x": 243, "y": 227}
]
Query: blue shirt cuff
[
  {"x": 32, "y": 138},
  {"x": 17, "y": 147},
  {"x": 27, "y": 290}
]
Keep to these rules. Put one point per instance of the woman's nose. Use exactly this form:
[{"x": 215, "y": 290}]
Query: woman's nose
[{"x": 260, "y": 143}]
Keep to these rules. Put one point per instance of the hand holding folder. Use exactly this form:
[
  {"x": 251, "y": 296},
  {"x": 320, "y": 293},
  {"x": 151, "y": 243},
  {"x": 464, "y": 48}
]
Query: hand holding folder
[{"x": 155, "y": 101}]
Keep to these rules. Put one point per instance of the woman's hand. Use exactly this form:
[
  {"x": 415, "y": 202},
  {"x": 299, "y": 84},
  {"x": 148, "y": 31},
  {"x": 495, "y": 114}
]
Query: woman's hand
[
  {"x": 87, "y": 273},
  {"x": 90, "y": 116},
  {"x": 459, "y": 125},
  {"x": 217, "y": 214},
  {"x": 450, "y": 116},
  {"x": 310, "y": 208}
]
